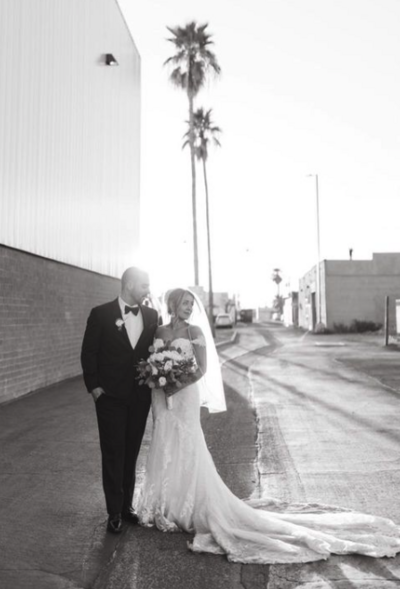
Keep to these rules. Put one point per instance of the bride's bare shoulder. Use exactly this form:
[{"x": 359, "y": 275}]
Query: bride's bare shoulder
[
  {"x": 195, "y": 331},
  {"x": 196, "y": 335}
]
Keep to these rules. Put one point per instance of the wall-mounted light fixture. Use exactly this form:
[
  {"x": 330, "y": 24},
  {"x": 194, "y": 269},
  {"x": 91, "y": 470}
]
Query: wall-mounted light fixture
[{"x": 110, "y": 59}]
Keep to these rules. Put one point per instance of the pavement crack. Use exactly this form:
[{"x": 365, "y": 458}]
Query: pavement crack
[
  {"x": 272, "y": 453},
  {"x": 258, "y": 425},
  {"x": 99, "y": 551}
]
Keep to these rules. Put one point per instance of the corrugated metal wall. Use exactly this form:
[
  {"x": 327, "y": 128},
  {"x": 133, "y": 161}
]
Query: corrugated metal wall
[{"x": 69, "y": 132}]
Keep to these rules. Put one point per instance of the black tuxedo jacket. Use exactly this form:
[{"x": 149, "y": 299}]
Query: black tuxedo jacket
[{"x": 107, "y": 357}]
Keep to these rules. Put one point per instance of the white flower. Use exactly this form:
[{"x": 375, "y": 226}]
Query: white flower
[
  {"x": 119, "y": 323},
  {"x": 154, "y": 371},
  {"x": 168, "y": 366},
  {"x": 162, "y": 381},
  {"x": 172, "y": 355},
  {"x": 158, "y": 343}
]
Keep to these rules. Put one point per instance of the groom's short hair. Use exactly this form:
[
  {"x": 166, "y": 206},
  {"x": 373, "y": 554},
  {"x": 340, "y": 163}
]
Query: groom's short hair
[{"x": 131, "y": 274}]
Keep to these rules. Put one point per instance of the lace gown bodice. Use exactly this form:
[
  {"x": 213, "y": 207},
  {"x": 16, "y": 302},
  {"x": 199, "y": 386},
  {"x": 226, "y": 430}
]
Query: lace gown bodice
[
  {"x": 183, "y": 491},
  {"x": 170, "y": 462}
]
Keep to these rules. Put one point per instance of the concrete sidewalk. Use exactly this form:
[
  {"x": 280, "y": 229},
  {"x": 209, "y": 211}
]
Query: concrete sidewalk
[
  {"x": 52, "y": 509},
  {"x": 50, "y": 493},
  {"x": 53, "y": 519}
]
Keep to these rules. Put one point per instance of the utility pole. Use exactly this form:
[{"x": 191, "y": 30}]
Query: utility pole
[
  {"x": 386, "y": 321},
  {"x": 319, "y": 325},
  {"x": 319, "y": 317}
]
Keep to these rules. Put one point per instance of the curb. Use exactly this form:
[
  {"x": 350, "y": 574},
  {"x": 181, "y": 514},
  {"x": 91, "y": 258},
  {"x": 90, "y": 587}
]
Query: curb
[{"x": 231, "y": 340}]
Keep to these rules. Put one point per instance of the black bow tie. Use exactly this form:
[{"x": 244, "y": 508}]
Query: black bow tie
[{"x": 134, "y": 310}]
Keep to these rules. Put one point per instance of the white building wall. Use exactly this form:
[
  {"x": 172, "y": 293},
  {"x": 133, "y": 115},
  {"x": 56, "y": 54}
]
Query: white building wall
[
  {"x": 308, "y": 301},
  {"x": 356, "y": 290},
  {"x": 69, "y": 132},
  {"x": 307, "y": 286}
]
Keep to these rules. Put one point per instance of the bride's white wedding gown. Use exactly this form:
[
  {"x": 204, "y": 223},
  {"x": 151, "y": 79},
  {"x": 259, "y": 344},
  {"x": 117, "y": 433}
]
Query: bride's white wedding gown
[{"x": 183, "y": 491}]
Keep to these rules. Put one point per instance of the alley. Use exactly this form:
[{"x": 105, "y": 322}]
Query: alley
[{"x": 303, "y": 424}]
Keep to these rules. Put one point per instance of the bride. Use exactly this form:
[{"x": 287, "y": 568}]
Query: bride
[{"x": 183, "y": 491}]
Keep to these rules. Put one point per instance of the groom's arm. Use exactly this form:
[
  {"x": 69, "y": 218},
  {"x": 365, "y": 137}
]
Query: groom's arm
[{"x": 90, "y": 350}]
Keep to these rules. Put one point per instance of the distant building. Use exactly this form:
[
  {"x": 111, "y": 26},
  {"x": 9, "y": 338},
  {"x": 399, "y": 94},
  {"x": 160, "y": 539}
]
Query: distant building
[
  {"x": 350, "y": 290},
  {"x": 223, "y": 303},
  {"x": 291, "y": 309}
]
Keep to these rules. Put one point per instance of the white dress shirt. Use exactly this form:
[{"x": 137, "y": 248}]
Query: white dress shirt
[{"x": 133, "y": 323}]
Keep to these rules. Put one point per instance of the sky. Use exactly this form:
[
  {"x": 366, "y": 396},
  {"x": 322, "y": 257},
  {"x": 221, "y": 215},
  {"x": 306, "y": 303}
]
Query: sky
[{"x": 307, "y": 87}]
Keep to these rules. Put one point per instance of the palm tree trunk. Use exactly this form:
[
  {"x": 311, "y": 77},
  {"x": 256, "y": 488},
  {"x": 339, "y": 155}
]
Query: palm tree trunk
[
  {"x": 194, "y": 205},
  {"x": 210, "y": 284}
]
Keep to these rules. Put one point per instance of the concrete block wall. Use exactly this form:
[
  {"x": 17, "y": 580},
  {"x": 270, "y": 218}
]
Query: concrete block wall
[
  {"x": 362, "y": 298},
  {"x": 353, "y": 289},
  {"x": 44, "y": 306}
]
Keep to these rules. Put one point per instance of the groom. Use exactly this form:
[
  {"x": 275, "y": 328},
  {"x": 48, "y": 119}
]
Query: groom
[{"x": 118, "y": 334}]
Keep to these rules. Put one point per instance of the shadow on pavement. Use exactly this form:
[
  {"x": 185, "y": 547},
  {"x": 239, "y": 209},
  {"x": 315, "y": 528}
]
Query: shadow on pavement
[{"x": 52, "y": 510}]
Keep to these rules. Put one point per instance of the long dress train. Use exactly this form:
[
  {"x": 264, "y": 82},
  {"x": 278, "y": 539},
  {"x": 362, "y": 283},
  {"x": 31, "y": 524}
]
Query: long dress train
[{"x": 183, "y": 491}]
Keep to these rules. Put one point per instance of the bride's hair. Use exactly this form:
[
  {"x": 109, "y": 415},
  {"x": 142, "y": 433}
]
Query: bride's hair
[
  {"x": 174, "y": 299},
  {"x": 210, "y": 385}
]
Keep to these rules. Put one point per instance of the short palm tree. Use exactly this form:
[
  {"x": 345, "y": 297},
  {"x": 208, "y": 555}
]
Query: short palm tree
[
  {"x": 191, "y": 63},
  {"x": 205, "y": 132},
  {"x": 278, "y": 302},
  {"x": 277, "y": 278}
]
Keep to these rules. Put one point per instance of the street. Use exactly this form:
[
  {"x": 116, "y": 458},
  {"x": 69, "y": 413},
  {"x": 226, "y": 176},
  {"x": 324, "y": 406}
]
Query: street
[
  {"x": 307, "y": 421},
  {"x": 329, "y": 433}
]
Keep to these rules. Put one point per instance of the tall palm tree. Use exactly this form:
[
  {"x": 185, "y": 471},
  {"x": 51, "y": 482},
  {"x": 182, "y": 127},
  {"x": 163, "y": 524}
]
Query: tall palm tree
[
  {"x": 205, "y": 132},
  {"x": 191, "y": 63},
  {"x": 277, "y": 278}
]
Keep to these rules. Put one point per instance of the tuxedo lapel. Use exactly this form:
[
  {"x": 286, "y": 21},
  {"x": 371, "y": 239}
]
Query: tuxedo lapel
[
  {"x": 143, "y": 310},
  {"x": 121, "y": 331},
  {"x": 149, "y": 327}
]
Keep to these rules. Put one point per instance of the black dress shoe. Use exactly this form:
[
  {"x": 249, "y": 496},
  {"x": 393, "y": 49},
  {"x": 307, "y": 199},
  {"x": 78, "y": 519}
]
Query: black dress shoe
[
  {"x": 114, "y": 524},
  {"x": 130, "y": 516}
]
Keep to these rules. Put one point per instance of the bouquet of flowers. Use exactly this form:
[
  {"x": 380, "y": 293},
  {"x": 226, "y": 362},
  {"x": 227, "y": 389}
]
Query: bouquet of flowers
[{"x": 166, "y": 368}]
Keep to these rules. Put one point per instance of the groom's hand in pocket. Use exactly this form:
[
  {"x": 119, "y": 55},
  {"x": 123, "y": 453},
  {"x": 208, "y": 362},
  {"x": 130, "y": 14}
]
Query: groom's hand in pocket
[{"x": 96, "y": 393}]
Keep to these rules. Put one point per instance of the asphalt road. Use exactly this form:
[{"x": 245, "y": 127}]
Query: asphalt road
[
  {"x": 306, "y": 421},
  {"x": 328, "y": 431}
]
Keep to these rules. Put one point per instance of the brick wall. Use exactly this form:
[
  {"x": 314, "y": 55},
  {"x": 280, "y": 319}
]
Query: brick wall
[{"x": 44, "y": 306}]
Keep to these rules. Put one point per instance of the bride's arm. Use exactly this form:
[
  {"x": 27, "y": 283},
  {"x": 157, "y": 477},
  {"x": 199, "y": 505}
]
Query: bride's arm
[{"x": 199, "y": 347}]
